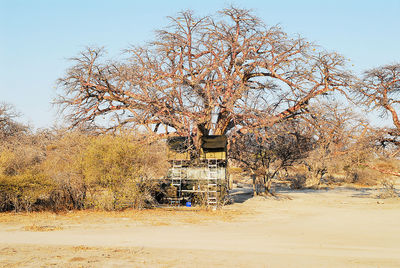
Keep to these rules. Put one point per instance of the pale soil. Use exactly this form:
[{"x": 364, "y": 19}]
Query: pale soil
[{"x": 335, "y": 228}]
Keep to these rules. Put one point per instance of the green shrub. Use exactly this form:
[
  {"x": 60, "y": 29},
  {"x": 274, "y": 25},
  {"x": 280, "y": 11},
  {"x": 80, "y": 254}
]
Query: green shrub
[
  {"x": 118, "y": 170},
  {"x": 21, "y": 191}
]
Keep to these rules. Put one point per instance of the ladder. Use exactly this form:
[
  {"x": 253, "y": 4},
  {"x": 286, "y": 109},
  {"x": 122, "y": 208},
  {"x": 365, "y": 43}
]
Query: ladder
[
  {"x": 176, "y": 177},
  {"x": 212, "y": 182}
]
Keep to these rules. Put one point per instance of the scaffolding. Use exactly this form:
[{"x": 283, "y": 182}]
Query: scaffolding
[
  {"x": 176, "y": 180},
  {"x": 203, "y": 176},
  {"x": 212, "y": 182}
]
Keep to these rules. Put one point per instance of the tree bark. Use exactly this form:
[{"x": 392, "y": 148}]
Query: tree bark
[{"x": 253, "y": 176}]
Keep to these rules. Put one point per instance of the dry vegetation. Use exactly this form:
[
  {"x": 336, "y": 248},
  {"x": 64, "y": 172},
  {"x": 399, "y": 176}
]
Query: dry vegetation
[
  {"x": 47, "y": 221},
  {"x": 64, "y": 170},
  {"x": 272, "y": 95},
  {"x": 61, "y": 170}
]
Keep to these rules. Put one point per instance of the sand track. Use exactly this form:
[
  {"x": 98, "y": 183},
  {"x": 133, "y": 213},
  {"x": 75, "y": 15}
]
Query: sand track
[{"x": 335, "y": 228}]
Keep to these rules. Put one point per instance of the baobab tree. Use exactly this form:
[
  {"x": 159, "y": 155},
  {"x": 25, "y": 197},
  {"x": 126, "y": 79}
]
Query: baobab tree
[{"x": 202, "y": 76}]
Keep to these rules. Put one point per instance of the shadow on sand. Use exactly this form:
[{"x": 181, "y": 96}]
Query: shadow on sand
[
  {"x": 353, "y": 191},
  {"x": 242, "y": 194}
]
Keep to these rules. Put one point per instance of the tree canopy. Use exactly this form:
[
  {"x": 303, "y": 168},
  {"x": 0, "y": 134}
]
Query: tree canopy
[
  {"x": 379, "y": 89},
  {"x": 202, "y": 76}
]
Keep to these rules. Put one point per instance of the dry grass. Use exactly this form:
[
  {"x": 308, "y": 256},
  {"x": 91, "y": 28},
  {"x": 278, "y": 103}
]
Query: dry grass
[
  {"x": 82, "y": 248},
  {"x": 388, "y": 190},
  {"x": 42, "y": 228},
  {"x": 48, "y": 221}
]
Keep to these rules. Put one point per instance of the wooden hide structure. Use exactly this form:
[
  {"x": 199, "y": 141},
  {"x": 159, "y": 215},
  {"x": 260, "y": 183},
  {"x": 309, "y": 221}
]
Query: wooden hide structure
[{"x": 200, "y": 177}]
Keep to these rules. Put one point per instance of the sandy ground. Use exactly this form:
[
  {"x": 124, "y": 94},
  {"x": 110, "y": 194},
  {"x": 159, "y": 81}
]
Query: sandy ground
[{"x": 326, "y": 228}]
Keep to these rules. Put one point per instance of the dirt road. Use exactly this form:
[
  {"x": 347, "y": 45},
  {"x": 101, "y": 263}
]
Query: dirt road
[{"x": 335, "y": 228}]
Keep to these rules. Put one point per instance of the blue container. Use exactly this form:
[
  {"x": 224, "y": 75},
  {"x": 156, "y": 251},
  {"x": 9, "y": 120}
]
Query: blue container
[{"x": 188, "y": 204}]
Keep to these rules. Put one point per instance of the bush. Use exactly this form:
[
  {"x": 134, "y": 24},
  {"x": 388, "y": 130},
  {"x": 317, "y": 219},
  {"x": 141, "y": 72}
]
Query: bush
[
  {"x": 362, "y": 175},
  {"x": 64, "y": 165},
  {"x": 118, "y": 171},
  {"x": 388, "y": 190},
  {"x": 22, "y": 181},
  {"x": 73, "y": 170},
  {"x": 21, "y": 191},
  {"x": 298, "y": 181}
]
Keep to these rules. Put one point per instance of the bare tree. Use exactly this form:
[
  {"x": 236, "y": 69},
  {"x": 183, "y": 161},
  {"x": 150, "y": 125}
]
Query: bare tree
[
  {"x": 201, "y": 76},
  {"x": 8, "y": 126},
  {"x": 266, "y": 153},
  {"x": 379, "y": 89},
  {"x": 338, "y": 133}
]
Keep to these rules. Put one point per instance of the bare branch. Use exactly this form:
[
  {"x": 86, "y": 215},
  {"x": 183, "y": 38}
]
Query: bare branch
[{"x": 202, "y": 76}]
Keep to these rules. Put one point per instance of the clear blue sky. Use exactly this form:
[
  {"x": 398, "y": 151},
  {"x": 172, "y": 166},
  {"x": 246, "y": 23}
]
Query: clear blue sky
[{"x": 37, "y": 36}]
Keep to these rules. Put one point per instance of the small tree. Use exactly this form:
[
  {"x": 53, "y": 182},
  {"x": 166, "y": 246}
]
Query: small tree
[
  {"x": 8, "y": 126},
  {"x": 379, "y": 89},
  {"x": 269, "y": 151},
  {"x": 338, "y": 132}
]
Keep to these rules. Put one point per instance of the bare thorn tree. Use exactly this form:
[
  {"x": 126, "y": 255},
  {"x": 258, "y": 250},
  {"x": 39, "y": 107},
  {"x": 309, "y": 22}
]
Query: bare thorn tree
[
  {"x": 338, "y": 134},
  {"x": 266, "y": 153},
  {"x": 8, "y": 126},
  {"x": 379, "y": 89}
]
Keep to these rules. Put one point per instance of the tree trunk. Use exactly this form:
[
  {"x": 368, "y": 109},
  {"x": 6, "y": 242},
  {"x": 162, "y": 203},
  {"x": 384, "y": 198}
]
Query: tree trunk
[
  {"x": 267, "y": 185},
  {"x": 314, "y": 180},
  {"x": 253, "y": 176}
]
